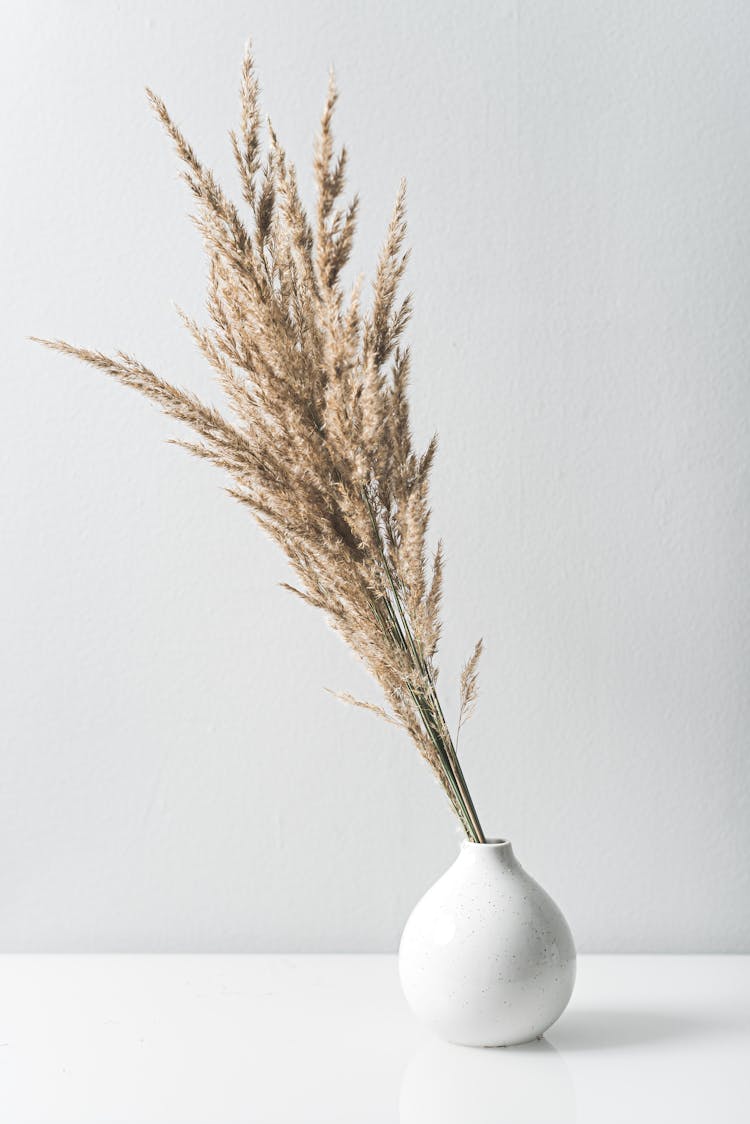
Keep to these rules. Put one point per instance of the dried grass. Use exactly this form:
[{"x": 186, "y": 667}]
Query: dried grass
[{"x": 317, "y": 439}]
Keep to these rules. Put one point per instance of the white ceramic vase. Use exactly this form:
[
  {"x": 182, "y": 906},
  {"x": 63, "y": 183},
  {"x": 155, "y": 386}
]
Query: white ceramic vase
[{"x": 486, "y": 957}]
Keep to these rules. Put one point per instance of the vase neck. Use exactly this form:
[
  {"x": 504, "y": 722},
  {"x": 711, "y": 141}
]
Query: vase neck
[{"x": 495, "y": 852}]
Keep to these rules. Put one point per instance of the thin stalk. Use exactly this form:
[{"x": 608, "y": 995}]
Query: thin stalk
[
  {"x": 444, "y": 764},
  {"x": 457, "y": 797},
  {"x": 429, "y": 708},
  {"x": 455, "y": 761}
]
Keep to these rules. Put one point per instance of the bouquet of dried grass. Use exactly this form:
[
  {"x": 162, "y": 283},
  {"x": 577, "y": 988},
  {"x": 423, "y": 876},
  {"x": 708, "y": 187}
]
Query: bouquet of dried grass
[{"x": 319, "y": 443}]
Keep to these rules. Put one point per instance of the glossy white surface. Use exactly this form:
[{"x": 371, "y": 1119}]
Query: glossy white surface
[
  {"x": 486, "y": 957},
  {"x": 307, "y": 1039}
]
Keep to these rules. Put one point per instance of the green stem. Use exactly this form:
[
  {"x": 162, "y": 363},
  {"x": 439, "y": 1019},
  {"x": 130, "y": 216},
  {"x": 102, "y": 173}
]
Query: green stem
[{"x": 427, "y": 703}]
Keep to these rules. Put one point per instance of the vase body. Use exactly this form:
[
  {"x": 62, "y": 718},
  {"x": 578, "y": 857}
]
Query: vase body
[{"x": 486, "y": 957}]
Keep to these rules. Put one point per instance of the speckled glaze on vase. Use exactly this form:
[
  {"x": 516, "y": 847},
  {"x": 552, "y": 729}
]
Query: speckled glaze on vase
[{"x": 486, "y": 957}]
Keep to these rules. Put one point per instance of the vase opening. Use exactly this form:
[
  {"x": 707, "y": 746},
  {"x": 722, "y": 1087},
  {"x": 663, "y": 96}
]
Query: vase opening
[{"x": 495, "y": 844}]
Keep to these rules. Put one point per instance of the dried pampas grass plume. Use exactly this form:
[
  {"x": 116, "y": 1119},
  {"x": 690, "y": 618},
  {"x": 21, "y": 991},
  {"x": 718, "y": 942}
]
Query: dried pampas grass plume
[{"x": 317, "y": 438}]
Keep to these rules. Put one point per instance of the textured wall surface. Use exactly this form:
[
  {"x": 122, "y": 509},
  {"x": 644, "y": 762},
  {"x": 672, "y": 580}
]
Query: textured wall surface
[{"x": 172, "y": 773}]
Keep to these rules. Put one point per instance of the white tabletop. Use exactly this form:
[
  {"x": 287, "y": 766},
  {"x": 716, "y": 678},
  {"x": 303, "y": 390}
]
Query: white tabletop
[{"x": 221, "y": 1039}]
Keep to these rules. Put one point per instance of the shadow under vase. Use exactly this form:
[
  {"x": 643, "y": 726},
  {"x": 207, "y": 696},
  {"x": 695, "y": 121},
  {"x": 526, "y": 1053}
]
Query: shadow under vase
[{"x": 620, "y": 1028}]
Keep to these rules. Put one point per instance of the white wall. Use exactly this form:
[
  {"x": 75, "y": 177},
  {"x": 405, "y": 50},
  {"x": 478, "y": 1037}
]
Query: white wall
[{"x": 173, "y": 775}]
